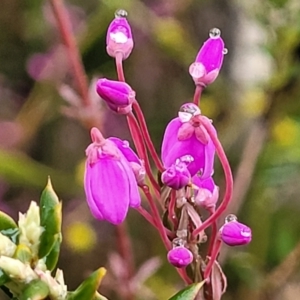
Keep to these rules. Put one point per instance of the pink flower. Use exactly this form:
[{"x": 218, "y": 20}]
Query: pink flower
[
  {"x": 109, "y": 183},
  {"x": 209, "y": 60},
  {"x": 180, "y": 257},
  {"x": 234, "y": 233},
  {"x": 206, "y": 192},
  {"x": 177, "y": 176},
  {"x": 187, "y": 140},
  {"x": 117, "y": 94},
  {"x": 119, "y": 36}
]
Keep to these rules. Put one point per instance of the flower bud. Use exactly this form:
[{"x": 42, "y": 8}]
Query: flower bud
[
  {"x": 209, "y": 60},
  {"x": 119, "y": 36},
  {"x": 234, "y": 233},
  {"x": 177, "y": 176},
  {"x": 7, "y": 247},
  {"x": 180, "y": 257},
  {"x": 118, "y": 95},
  {"x": 30, "y": 228}
]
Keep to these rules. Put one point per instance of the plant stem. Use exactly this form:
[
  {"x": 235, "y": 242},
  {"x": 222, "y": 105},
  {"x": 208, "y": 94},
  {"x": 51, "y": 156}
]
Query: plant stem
[
  {"x": 228, "y": 177},
  {"x": 146, "y": 135},
  {"x": 65, "y": 28},
  {"x": 197, "y": 94},
  {"x": 215, "y": 251},
  {"x": 119, "y": 66}
]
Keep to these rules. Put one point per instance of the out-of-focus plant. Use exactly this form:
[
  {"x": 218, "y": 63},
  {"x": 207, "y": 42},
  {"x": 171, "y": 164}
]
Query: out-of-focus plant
[{"x": 29, "y": 253}]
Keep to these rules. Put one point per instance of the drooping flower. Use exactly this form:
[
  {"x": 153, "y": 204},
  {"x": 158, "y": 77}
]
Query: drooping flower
[
  {"x": 110, "y": 184},
  {"x": 119, "y": 36},
  {"x": 136, "y": 164},
  {"x": 234, "y": 233},
  {"x": 176, "y": 176},
  {"x": 180, "y": 257},
  {"x": 209, "y": 59},
  {"x": 117, "y": 94},
  {"x": 187, "y": 140},
  {"x": 206, "y": 192}
]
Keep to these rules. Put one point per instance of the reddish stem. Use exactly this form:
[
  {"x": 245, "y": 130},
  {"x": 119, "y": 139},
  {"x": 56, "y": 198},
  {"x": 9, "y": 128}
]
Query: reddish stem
[
  {"x": 197, "y": 94},
  {"x": 141, "y": 149},
  {"x": 68, "y": 38},
  {"x": 171, "y": 209},
  {"x": 213, "y": 233},
  {"x": 146, "y": 135},
  {"x": 156, "y": 217},
  {"x": 146, "y": 215},
  {"x": 119, "y": 66},
  {"x": 125, "y": 249},
  {"x": 228, "y": 177},
  {"x": 214, "y": 255}
]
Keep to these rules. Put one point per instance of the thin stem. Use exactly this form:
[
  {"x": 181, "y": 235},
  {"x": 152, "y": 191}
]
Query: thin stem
[
  {"x": 141, "y": 149},
  {"x": 228, "y": 177},
  {"x": 171, "y": 209},
  {"x": 197, "y": 94},
  {"x": 146, "y": 215},
  {"x": 125, "y": 250},
  {"x": 68, "y": 38},
  {"x": 119, "y": 66},
  {"x": 156, "y": 217},
  {"x": 213, "y": 233},
  {"x": 214, "y": 255},
  {"x": 146, "y": 135}
]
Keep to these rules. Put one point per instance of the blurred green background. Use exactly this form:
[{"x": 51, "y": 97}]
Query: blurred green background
[{"x": 255, "y": 105}]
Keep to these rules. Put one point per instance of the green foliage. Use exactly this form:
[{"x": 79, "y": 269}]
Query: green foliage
[{"x": 190, "y": 292}]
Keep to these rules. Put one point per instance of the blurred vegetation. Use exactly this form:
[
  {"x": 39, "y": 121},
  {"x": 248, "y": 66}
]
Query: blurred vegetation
[{"x": 37, "y": 139}]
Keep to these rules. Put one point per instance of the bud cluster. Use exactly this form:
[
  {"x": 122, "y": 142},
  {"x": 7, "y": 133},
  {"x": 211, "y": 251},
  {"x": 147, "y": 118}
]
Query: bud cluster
[
  {"x": 29, "y": 253},
  {"x": 185, "y": 185}
]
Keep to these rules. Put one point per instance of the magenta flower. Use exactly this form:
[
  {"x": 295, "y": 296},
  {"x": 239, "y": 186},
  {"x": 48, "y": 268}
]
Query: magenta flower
[
  {"x": 117, "y": 94},
  {"x": 234, "y": 233},
  {"x": 209, "y": 60},
  {"x": 119, "y": 36},
  {"x": 206, "y": 192},
  {"x": 189, "y": 142},
  {"x": 136, "y": 164},
  {"x": 109, "y": 183},
  {"x": 176, "y": 176},
  {"x": 180, "y": 257}
]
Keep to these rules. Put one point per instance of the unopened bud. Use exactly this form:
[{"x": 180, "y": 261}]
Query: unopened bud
[{"x": 180, "y": 257}]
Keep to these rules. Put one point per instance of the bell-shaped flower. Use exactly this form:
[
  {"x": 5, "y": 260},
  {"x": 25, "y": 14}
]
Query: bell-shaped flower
[
  {"x": 136, "y": 164},
  {"x": 119, "y": 36},
  {"x": 180, "y": 257},
  {"x": 176, "y": 176},
  {"x": 117, "y": 94},
  {"x": 206, "y": 192},
  {"x": 209, "y": 60},
  {"x": 110, "y": 184},
  {"x": 188, "y": 141},
  {"x": 234, "y": 233}
]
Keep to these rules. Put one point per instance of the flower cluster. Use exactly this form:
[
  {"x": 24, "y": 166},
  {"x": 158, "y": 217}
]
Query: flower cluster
[{"x": 115, "y": 173}]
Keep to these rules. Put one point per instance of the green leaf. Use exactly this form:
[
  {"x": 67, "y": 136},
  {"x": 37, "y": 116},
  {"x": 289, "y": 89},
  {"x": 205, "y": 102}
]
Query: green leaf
[
  {"x": 6, "y": 222},
  {"x": 50, "y": 213},
  {"x": 35, "y": 290},
  {"x": 190, "y": 292},
  {"x": 52, "y": 258},
  {"x": 8, "y": 227},
  {"x": 88, "y": 289},
  {"x": 3, "y": 278},
  {"x": 23, "y": 253}
]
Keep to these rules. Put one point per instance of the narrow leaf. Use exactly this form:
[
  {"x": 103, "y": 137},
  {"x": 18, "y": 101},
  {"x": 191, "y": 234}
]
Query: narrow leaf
[
  {"x": 88, "y": 289},
  {"x": 50, "y": 213},
  {"x": 35, "y": 290},
  {"x": 190, "y": 292}
]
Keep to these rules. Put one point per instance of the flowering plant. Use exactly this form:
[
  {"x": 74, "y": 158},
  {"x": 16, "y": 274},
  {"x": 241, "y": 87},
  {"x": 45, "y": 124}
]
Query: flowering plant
[{"x": 175, "y": 191}]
